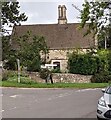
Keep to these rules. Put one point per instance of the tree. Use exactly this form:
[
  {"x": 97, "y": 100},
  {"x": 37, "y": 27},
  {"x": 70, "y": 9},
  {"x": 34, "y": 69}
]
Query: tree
[
  {"x": 5, "y": 47},
  {"x": 8, "y": 55},
  {"x": 97, "y": 14},
  {"x": 30, "y": 48},
  {"x": 10, "y": 14}
]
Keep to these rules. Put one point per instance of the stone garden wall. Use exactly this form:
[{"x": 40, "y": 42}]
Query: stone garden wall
[
  {"x": 60, "y": 77},
  {"x": 71, "y": 78}
]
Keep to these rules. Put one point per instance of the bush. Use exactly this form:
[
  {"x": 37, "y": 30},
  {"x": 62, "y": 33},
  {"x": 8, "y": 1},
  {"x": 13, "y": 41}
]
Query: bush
[
  {"x": 57, "y": 70},
  {"x": 11, "y": 64},
  {"x": 27, "y": 80},
  {"x": 103, "y": 77},
  {"x": 103, "y": 64},
  {"x": 34, "y": 64},
  {"x": 6, "y": 74},
  {"x": 109, "y": 60},
  {"x": 83, "y": 64},
  {"x": 44, "y": 73},
  {"x": 90, "y": 64}
]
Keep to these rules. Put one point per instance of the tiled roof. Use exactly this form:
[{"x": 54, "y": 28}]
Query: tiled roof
[{"x": 58, "y": 36}]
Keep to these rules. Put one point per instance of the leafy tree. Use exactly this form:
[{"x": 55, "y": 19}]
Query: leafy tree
[
  {"x": 11, "y": 62},
  {"x": 8, "y": 55},
  {"x": 98, "y": 15},
  {"x": 10, "y": 14},
  {"x": 30, "y": 48},
  {"x": 5, "y": 47}
]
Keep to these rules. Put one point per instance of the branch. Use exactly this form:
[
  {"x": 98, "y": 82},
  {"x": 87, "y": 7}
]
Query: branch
[{"x": 77, "y": 8}]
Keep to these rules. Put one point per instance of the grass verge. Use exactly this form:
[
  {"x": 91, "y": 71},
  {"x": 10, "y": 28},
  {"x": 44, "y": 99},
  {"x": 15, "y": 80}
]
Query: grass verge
[
  {"x": 26, "y": 82},
  {"x": 55, "y": 85}
]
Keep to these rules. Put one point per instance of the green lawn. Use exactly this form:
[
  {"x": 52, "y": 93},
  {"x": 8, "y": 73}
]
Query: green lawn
[
  {"x": 55, "y": 85},
  {"x": 28, "y": 83}
]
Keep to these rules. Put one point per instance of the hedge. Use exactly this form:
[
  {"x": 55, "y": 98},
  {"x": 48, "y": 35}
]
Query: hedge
[
  {"x": 83, "y": 64},
  {"x": 89, "y": 63}
]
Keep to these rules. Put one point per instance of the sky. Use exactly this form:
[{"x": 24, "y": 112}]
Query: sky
[{"x": 46, "y": 11}]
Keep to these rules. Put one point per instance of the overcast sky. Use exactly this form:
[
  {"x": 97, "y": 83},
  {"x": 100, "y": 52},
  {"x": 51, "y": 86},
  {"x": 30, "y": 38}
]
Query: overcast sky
[{"x": 46, "y": 11}]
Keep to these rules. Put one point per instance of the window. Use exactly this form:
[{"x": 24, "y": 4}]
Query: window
[{"x": 58, "y": 65}]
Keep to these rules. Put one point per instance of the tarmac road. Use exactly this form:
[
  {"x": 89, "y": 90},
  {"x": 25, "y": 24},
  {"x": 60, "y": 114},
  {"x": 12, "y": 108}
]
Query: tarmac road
[{"x": 49, "y": 103}]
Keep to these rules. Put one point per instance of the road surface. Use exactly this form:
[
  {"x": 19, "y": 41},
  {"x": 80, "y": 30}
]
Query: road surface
[{"x": 49, "y": 103}]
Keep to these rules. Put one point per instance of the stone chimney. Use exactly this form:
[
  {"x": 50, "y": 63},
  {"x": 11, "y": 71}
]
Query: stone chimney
[{"x": 62, "y": 14}]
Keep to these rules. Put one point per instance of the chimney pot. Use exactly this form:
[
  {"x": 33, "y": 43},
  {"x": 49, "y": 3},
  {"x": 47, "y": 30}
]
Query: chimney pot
[{"x": 62, "y": 14}]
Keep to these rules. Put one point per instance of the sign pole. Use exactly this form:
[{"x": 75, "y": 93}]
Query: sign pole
[{"x": 18, "y": 63}]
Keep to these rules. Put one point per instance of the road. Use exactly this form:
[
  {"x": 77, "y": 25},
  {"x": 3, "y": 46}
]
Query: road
[{"x": 49, "y": 103}]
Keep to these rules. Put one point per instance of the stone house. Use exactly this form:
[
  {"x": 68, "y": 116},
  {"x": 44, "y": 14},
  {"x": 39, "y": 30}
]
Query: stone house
[{"x": 61, "y": 38}]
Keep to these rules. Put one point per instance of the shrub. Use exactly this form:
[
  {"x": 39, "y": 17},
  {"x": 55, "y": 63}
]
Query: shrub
[
  {"x": 34, "y": 64},
  {"x": 90, "y": 64},
  {"x": 57, "y": 70},
  {"x": 6, "y": 74},
  {"x": 109, "y": 60},
  {"x": 104, "y": 62},
  {"x": 44, "y": 73},
  {"x": 11, "y": 64},
  {"x": 27, "y": 80},
  {"x": 83, "y": 64},
  {"x": 103, "y": 77}
]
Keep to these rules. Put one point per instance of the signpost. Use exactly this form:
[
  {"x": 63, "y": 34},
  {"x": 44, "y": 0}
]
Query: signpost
[
  {"x": 49, "y": 66},
  {"x": 18, "y": 64}
]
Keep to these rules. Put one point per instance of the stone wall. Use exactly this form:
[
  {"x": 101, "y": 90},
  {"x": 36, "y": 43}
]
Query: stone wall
[
  {"x": 71, "y": 78},
  {"x": 57, "y": 77},
  {"x": 66, "y": 78}
]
